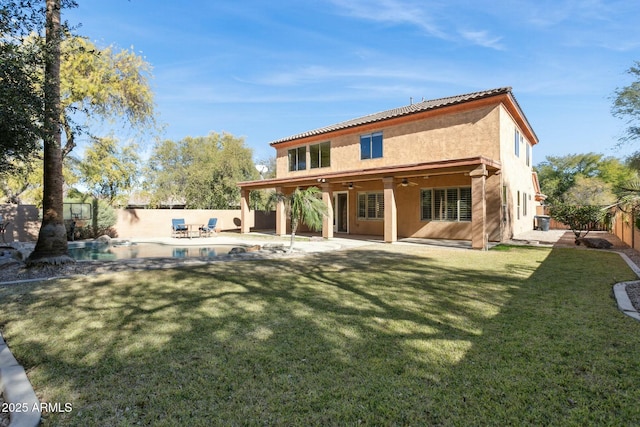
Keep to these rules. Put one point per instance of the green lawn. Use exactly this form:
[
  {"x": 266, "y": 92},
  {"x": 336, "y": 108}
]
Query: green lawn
[{"x": 385, "y": 335}]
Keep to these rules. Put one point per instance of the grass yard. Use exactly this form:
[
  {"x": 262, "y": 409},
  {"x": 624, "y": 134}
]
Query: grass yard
[{"x": 400, "y": 336}]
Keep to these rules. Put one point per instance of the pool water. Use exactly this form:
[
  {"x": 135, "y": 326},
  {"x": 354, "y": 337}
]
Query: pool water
[{"x": 100, "y": 251}]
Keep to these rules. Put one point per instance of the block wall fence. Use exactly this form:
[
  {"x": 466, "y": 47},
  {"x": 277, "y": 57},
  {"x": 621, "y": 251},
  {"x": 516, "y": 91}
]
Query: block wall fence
[{"x": 24, "y": 221}]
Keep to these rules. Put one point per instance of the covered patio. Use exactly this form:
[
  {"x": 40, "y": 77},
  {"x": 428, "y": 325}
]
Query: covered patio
[{"x": 387, "y": 180}]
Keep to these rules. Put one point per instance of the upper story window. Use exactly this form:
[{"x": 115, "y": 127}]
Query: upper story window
[
  {"x": 298, "y": 159},
  {"x": 528, "y": 154},
  {"x": 516, "y": 142},
  {"x": 371, "y": 146},
  {"x": 320, "y": 155}
]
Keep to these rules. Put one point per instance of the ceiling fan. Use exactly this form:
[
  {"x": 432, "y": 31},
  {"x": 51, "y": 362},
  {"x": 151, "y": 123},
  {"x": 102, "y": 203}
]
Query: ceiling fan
[
  {"x": 350, "y": 185},
  {"x": 405, "y": 183}
]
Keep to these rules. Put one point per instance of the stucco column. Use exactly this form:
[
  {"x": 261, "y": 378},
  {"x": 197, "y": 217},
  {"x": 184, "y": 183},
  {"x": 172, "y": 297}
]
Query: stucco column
[
  {"x": 244, "y": 211},
  {"x": 390, "y": 211},
  {"x": 327, "y": 221},
  {"x": 479, "y": 237},
  {"x": 281, "y": 216}
]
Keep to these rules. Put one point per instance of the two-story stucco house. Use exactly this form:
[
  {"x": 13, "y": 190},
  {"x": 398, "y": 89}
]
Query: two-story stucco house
[{"x": 450, "y": 168}]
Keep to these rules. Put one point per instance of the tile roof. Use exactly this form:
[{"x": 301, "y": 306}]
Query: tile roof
[{"x": 398, "y": 112}]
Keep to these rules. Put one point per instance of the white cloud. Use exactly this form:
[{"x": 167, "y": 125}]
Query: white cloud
[
  {"x": 433, "y": 18},
  {"x": 392, "y": 12},
  {"x": 483, "y": 38}
]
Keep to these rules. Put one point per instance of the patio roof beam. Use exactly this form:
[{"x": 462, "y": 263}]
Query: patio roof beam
[{"x": 429, "y": 168}]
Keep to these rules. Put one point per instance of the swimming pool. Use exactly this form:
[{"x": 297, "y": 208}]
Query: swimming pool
[{"x": 105, "y": 252}]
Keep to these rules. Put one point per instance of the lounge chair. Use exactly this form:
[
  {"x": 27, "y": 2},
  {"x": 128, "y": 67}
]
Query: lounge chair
[
  {"x": 209, "y": 228},
  {"x": 179, "y": 228}
]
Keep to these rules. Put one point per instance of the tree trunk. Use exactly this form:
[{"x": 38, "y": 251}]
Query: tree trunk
[
  {"x": 51, "y": 247},
  {"x": 94, "y": 216},
  {"x": 70, "y": 135},
  {"x": 294, "y": 228}
]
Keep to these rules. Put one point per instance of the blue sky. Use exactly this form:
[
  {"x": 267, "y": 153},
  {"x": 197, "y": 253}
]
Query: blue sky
[{"x": 264, "y": 70}]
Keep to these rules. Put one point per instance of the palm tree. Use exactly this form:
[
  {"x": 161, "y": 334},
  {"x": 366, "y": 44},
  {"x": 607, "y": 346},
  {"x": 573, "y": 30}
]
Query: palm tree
[
  {"x": 51, "y": 247},
  {"x": 629, "y": 201},
  {"x": 303, "y": 207}
]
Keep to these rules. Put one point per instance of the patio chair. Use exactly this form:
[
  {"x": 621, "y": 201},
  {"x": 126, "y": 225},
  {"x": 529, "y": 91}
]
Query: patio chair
[
  {"x": 178, "y": 227},
  {"x": 209, "y": 228}
]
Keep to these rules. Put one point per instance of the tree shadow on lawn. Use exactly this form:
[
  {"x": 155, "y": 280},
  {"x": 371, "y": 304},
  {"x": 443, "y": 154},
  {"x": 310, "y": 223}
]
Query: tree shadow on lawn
[
  {"x": 363, "y": 336},
  {"x": 559, "y": 353}
]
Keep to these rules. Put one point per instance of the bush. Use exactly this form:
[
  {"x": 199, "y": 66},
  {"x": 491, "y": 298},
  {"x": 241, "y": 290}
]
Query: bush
[
  {"x": 104, "y": 218},
  {"x": 579, "y": 218}
]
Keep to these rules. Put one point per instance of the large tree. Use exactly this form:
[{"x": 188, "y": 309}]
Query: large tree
[
  {"x": 626, "y": 104},
  {"x": 19, "y": 108},
  {"x": 97, "y": 87},
  {"x": 23, "y": 184},
  {"x": 21, "y": 105},
  {"x": 51, "y": 247},
  {"x": 590, "y": 191},
  {"x": 21, "y": 80},
  {"x": 200, "y": 172},
  {"x": 559, "y": 174},
  {"x": 105, "y": 86},
  {"x": 108, "y": 170},
  {"x": 165, "y": 175}
]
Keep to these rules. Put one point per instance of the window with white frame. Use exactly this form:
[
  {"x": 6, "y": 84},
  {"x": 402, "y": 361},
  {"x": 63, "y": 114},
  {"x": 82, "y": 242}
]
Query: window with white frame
[
  {"x": 320, "y": 155},
  {"x": 371, "y": 146},
  {"x": 516, "y": 143},
  {"x": 445, "y": 204},
  {"x": 528, "y": 154},
  {"x": 371, "y": 205},
  {"x": 298, "y": 159}
]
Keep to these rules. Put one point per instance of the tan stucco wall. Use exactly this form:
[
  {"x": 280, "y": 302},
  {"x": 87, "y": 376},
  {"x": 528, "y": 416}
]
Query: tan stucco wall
[
  {"x": 131, "y": 223},
  {"x": 143, "y": 223},
  {"x": 408, "y": 202},
  {"x": 409, "y": 222},
  {"x": 517, "y": 177},
  {"x": 486, "y": 131},
  {"x": 24, "y": 223},
  {"x": 445, "y": 137}
]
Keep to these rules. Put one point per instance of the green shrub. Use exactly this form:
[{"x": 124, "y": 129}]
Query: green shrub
[
  {"x": 104, "y": 217},
  {"x": 579, "y": 218}
]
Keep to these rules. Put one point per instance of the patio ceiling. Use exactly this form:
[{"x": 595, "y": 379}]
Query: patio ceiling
[{"x": 443, "y": 167}]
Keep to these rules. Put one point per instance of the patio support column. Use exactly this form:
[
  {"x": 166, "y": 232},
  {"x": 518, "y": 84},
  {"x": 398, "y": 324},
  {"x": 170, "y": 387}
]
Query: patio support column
[
  {"x": 479, "y": 237},
  {"x": 390, "y": 211},
  {"x": 281, "y": 216},
  {"x": 327, "y": 220},
  {"x": 245, "y": 227}
]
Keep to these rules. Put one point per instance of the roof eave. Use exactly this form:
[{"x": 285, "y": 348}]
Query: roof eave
[{"x": 455, "y": 165}]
